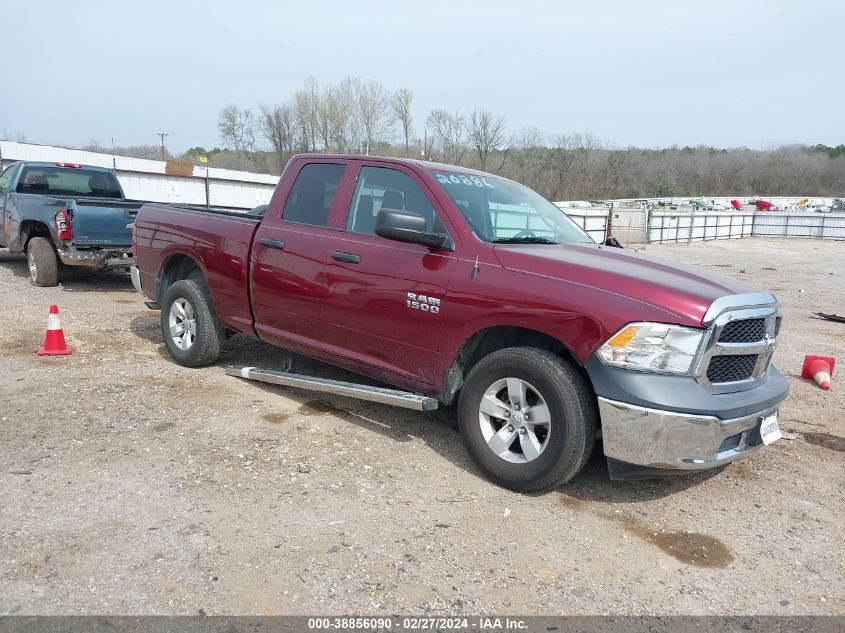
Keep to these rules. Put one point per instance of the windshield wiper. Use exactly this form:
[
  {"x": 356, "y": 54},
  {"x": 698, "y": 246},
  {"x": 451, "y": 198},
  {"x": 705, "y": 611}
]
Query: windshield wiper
[{"x": 524, "y": 240}]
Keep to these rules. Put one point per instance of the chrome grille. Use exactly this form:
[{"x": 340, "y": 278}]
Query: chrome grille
[
  {"x": 731, "y": 368},
  {"x": 743, "y": 330}
]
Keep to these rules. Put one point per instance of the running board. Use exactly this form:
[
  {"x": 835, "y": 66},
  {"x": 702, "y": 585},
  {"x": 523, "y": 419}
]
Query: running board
[{"x": 404, "y": 399}]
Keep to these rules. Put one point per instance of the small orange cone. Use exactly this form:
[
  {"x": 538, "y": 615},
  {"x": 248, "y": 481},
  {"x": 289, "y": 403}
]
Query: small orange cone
[
  {"x": 819, "y": 368},
  {"x": 54, "y": 340}
]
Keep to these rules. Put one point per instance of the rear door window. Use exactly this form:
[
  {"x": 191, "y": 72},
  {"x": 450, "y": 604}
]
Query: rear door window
[{"x": 312, "y": 194}]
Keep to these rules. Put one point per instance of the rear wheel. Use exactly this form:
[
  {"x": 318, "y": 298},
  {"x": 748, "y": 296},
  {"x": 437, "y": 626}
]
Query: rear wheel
[
  {"x": 527, "y": 418},
  {"x": 43, "y": 262},
  {"x": 189, "y": 326}
]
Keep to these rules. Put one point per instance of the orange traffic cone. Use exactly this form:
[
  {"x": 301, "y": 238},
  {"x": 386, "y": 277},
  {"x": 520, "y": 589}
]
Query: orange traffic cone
[
  {"x": 54, "y": 340},
  {"x": 819, "y": 368}
]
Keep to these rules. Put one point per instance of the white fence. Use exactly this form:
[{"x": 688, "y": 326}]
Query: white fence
[
  {"x": 829, "y": 226},
  {"x": 679, "y": 227},
  {"x": 144, "y": 179},
  {"x": 686, "y": 224},
  {"x": 593, "y": 220},
  {"x": 721, "y": 202},
  {"x": 684, "y": 227}
]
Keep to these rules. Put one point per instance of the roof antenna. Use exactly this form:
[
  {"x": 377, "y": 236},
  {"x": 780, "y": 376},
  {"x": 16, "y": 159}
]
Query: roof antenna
[
  {"x": 474, "y": 273},
  {"x": 113, "y": 159}
]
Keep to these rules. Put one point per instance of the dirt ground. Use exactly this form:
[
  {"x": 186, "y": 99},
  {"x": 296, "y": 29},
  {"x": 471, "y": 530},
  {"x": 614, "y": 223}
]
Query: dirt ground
[{"x": 130, "y": 485}]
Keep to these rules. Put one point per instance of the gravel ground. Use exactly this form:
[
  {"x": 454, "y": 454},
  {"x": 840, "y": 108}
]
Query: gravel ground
[{"x": 131, "y": 485}]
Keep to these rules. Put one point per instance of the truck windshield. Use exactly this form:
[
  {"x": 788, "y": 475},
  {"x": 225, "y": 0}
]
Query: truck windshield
[
  {"x": 68, "y": 181},
  {"x": 500, "y": 210}
]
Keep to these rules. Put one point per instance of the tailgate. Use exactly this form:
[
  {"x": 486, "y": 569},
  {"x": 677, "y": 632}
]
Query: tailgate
[{"x": 103, "y": 222}]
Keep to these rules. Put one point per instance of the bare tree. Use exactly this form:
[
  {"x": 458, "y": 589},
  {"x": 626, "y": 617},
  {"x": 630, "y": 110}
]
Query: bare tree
[
  {"x": 347, "y": 123},
  {"x": 562, "y": 158},
  {"x": 487, "y": 133},
  {"x": 529, "y": 154},
  {"x": 374, "y": 113},
  {"x": 530, "y": 138},
  {"x": 324, "y": 110},
  {"x": 278, "y": 125},
  {"x": 401, "y": 104},
  {"x": 587, "y": 157},
  {"x": 307, "y": 108},
  {"x": 450, "y": 133},
  {"x": 616, "y": 172},
  {"x": 334, "y": 121},
  {"x": 237, "y": 128}
]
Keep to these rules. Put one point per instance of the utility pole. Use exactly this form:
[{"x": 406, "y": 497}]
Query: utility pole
[{"x": 162, "y": 135}]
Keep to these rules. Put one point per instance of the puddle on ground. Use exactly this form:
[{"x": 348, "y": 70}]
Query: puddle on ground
[
  {"x": 690, "y": 548},
  {"x": 275, "y": 418},
  {"x": 318, "y": 407},
  {"x": 825, "y": 440},
  {"x": 722, "y": 265},
  {"x": 164, "y": 426}
]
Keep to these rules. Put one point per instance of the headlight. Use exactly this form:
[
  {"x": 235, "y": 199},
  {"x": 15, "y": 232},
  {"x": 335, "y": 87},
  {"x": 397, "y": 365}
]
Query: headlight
[{"x": 657, "y": 347}]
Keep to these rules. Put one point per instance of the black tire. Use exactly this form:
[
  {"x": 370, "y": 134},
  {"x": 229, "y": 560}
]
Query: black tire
[
  {"x": 572, "y": 409},
  {"x": 205, "y": 348},
  {"x": 43, "y": 262}
]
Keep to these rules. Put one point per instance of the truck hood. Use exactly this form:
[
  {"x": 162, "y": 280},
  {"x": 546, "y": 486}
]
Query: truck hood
[{"x": 684, "y": 291}]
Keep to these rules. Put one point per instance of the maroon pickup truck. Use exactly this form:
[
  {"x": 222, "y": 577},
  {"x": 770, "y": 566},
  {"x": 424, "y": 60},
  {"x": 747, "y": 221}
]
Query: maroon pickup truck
[{"x": 462, "y": 287}]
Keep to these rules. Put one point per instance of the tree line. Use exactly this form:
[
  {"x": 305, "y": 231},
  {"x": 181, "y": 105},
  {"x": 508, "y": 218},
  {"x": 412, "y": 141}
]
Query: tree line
[{"x": 363, "y": 117}]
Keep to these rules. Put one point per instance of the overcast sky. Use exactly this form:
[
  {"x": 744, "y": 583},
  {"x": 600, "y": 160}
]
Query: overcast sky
[{"x": 631, "y": 73}]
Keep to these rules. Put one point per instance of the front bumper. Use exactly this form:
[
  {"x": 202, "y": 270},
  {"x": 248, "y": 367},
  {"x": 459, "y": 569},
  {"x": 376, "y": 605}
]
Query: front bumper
[
  {"x": 678, "y": 441},
  {"x": 658, "y": 424}
]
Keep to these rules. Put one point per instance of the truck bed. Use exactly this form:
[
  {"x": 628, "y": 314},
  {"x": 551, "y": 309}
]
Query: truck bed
[{"x": 218, "y": 239}]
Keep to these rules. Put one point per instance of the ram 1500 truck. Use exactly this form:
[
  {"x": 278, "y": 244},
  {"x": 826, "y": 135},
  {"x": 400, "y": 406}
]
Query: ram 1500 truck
[
  {"x": 64, "y": 212},
  {"x": 472, "y": 289}
]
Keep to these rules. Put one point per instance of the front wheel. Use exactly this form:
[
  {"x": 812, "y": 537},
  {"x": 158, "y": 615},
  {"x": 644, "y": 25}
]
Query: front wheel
[
  {"x": 43, "y": 262},
  {"x": 189, "y": 326},
  {"x": 528, "y": 418}
]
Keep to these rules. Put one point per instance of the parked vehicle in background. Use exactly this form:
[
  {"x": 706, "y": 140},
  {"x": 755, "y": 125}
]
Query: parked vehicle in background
[
  {"x": 472, "y": 289},
  {"x": 65, "y": 213},
  {"x": 763, "y": 205}
]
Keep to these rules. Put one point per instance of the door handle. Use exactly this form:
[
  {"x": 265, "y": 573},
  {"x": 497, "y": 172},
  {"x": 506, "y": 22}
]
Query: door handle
[
  {"x": 277, "y": 244},
  {"x": 349, "y": 258}
]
